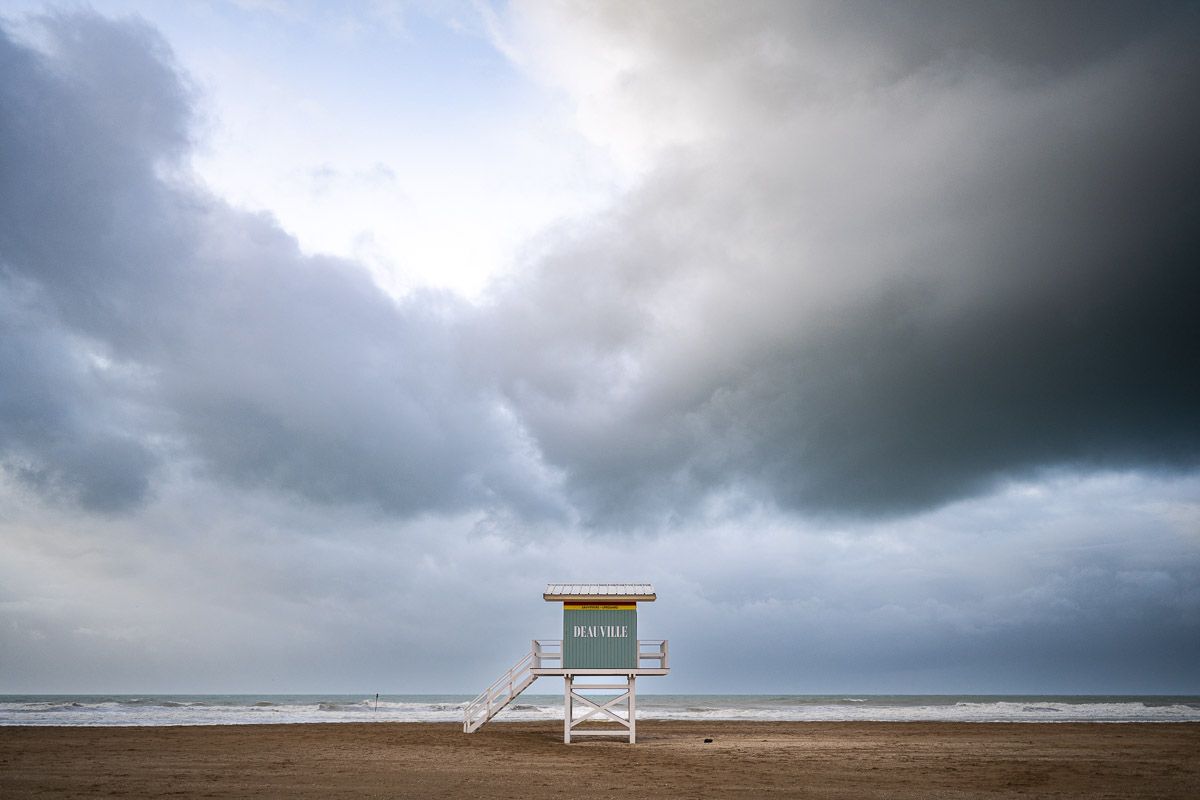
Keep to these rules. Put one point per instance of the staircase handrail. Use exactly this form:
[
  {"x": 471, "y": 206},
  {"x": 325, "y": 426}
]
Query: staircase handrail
[{"x": 505, "y": 688}]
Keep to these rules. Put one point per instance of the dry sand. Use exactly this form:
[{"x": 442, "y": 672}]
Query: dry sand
[{"x": 529, "y": 761}]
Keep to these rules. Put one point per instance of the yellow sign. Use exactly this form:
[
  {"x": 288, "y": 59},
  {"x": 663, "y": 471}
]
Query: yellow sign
[{"x": 600, "y": 607}]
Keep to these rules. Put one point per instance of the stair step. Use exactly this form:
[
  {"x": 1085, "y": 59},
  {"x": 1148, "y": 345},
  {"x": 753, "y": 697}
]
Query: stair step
[{"x": 496, "y": 697}]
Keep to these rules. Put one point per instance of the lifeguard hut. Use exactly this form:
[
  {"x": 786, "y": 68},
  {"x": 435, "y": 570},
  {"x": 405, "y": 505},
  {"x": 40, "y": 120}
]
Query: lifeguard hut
[{"x": 599, "y": 641}]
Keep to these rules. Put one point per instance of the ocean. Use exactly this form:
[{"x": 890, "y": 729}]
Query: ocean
[{"x": 249, "y": 709}]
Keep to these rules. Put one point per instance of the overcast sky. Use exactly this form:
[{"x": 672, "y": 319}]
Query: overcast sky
[{"x": 867, "y": 332}]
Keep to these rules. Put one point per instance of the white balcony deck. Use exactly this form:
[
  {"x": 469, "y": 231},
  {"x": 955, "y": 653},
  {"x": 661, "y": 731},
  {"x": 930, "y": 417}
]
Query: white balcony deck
[{"x": 547, "y": 660}]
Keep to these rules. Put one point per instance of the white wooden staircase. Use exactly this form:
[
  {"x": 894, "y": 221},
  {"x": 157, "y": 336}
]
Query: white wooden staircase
[{"x": 494, "y": 698}]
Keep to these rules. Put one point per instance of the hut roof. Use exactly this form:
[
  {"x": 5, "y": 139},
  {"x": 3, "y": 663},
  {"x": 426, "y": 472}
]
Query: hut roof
[{"x": 599, "y": 591}]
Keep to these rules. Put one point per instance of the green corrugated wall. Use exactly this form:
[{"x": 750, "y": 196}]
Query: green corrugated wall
[{"x": 599, "y": 652}]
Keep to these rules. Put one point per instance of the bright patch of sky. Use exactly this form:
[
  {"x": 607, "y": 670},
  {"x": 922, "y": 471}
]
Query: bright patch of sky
[{"x": 395, "y": 134}]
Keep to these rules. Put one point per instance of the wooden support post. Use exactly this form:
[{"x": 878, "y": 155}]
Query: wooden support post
[
  {"x": 632, "y": 710},
  {"x": 568, "y": 708}
]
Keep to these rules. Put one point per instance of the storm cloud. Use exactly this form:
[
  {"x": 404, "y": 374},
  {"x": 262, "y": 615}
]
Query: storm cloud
[
  {"x": 886, "y": 256},
  {"x": 151, "y": 324},
  {"x": 888, "y": 260}
]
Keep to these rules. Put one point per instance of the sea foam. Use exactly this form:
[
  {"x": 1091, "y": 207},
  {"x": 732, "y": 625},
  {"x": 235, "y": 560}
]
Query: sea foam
[{"x": 94, "y": 710}]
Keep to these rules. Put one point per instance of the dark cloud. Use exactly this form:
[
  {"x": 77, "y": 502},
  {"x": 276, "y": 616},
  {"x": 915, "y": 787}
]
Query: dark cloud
[
  {"x": 150, "y": 322},
  {"x": 956, "y": 245},
  {"x": 901, "y": 254},
  {"x": 61, "y": 430},
  {"x": 79, "y": 245}
]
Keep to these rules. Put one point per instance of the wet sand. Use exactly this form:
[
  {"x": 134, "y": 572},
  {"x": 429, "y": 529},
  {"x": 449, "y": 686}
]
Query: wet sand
[{"x": 671, "y": 760}]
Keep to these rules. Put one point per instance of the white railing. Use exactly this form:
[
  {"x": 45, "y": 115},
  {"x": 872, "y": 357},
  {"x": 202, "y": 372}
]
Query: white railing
[
  {"x": 494, "y": 698},
  {"x": 652, "y": 650},
  {"x": 547, "y": 650}
]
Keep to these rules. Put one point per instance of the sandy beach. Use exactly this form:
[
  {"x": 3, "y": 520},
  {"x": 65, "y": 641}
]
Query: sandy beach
[{"x": 671, "y": 760}]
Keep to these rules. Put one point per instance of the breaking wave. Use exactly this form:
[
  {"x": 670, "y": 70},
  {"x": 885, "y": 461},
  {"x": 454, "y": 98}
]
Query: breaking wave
[{"x": 95, "y": 710}]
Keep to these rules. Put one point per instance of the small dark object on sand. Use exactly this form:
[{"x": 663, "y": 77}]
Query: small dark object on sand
[{"x": 708, "y": 741}]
